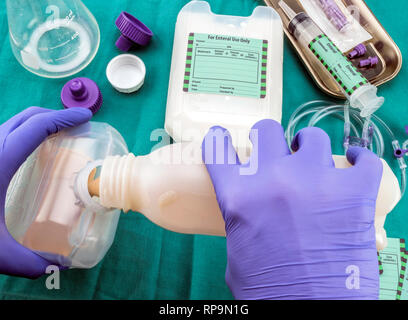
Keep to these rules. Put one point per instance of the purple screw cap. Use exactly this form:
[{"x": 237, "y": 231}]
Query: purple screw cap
[
  {"x": 369, "y": 62},
  {"x": 358, "y": 51},
  {"x": 81, "y": 93},
  {"x": 133, "y": 32}
]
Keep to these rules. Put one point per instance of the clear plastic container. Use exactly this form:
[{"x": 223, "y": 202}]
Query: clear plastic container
[
  {"x": 52, "y": 38},
  {"x": 43, "y": 212},
  {"x": 225, "y": 70}
]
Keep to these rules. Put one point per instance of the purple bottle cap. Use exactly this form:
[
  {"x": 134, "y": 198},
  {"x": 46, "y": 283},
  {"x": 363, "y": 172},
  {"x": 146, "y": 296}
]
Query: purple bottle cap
[
  {"x": 358, "y": 51},
  {"x": 133, "y": 32},
  {"x": 81, "y": 93}
]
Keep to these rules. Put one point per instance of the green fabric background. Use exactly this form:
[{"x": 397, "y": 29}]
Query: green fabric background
[{"x": 145, "y": 261}]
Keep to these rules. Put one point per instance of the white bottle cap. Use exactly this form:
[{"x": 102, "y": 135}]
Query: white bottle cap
[{"x": 126, "y": 73}]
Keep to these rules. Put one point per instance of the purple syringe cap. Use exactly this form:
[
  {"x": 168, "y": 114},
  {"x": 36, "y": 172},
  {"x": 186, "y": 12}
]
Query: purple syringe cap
[
  {"x": 133, "y": 32},
  {"x": 81, "y": 93},
  {"x": 369, "y": 62}
]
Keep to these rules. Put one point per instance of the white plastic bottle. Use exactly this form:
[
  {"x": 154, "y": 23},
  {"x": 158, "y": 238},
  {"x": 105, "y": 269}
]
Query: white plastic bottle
[
  {"x": 225, "y": 70},
  {"x": 172, "y": 188}
]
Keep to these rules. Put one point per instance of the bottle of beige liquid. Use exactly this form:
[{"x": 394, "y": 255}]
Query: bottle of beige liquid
[{"x": 172, "y": 188}]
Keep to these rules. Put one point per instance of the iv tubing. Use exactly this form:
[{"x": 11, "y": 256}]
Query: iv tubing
[{"x": 320, "y": 109}]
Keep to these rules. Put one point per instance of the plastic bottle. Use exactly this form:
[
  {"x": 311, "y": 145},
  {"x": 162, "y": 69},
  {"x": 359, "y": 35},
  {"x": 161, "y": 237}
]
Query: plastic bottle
[
  {"x": 52, "y": 38},
  {"x": 172, "y": 188}
]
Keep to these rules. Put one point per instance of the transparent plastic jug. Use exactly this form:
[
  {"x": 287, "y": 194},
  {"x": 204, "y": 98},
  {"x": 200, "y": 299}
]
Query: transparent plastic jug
[
  {"x": 52, "y": 38},
  {"x": 172, "y": 188},
  {"x": 43, "y": 212},
  {"x": 225, "y": 70}
]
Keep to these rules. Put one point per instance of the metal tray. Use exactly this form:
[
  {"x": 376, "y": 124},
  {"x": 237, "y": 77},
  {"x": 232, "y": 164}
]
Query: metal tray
[{"x": 382, "y": 45}]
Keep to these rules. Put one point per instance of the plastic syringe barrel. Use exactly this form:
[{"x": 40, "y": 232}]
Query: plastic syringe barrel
[{"x": 355, "y": 87}]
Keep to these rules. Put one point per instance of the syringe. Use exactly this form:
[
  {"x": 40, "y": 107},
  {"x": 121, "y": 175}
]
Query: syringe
[{"x": 356, "y": 88}]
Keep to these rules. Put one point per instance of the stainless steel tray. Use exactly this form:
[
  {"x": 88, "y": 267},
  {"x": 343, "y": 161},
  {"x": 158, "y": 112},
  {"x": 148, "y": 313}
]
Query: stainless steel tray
[{"x": 381, "y": 45}]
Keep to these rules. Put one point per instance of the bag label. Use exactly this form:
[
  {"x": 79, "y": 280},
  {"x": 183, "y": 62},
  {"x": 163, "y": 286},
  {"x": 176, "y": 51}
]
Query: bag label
[
  {"x": 226, "y": 65},
  {"x": 340, "y": 68}
]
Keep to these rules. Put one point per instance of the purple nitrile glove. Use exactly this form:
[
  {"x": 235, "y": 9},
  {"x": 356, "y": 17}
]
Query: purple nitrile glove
[
  {"x": 19, "y": 137},
  {"x": 298, "y": 228}
]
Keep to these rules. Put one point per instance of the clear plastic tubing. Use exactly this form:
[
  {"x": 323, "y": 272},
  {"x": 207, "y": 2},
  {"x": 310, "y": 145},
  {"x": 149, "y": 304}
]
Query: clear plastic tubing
[
  {"x": 352, "y": 122},
  {"x": 355, "y": 87}
]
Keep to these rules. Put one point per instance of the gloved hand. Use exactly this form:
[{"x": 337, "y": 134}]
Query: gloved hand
[
  {"x": 298, "y": 228},
  {"x": 19, "y": 137}
]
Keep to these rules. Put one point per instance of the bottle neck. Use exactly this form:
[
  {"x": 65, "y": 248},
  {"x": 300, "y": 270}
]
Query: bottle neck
[
  {"x": 81, "y": 188},
  {"x": 119, "y": 183}
]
